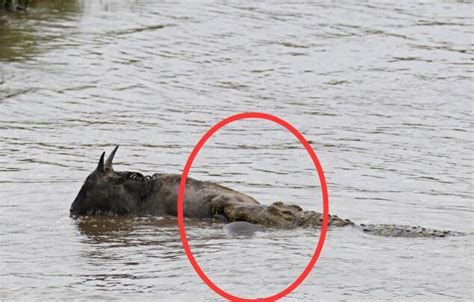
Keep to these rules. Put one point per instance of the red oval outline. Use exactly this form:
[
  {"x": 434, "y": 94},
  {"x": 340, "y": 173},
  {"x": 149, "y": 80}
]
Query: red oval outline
[{"x": 182, "y": 188}]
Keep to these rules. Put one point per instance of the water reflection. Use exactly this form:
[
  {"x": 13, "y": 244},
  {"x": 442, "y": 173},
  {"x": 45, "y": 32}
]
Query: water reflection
[
  {"x": 136, "y": 230},
  {"x": 105, "y": 229}
]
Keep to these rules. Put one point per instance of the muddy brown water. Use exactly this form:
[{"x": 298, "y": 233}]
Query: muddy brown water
[{"x": 382, "y": 90}]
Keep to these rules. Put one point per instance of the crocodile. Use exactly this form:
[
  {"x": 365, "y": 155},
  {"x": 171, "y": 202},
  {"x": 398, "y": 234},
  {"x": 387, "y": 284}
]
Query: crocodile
[{"x": 109, "y": 192}]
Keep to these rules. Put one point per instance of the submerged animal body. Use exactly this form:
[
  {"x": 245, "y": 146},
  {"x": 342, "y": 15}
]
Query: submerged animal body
[{"x": 109, "y": 192}]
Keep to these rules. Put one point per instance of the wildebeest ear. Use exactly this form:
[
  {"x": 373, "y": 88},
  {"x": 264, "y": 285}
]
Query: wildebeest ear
[
  {"x": 108, "y": 162},
  {"x": 100, "y": 166}
]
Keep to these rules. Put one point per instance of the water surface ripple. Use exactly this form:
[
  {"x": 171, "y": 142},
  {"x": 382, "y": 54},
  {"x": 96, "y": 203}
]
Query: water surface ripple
[{"x": 382, "y": 90}]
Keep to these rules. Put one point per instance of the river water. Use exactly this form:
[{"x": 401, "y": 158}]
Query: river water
[{"x": 383, "y": 91}]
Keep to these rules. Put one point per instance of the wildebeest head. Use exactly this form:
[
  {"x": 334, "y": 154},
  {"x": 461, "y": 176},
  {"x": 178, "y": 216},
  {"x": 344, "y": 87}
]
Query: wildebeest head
[{"x": 108, "y": 192}]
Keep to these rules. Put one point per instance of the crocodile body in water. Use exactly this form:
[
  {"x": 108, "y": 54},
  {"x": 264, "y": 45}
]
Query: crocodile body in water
[{"x": 110, "y": 192}]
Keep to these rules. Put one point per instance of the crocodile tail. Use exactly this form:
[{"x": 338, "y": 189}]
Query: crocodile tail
[{"x": 394, "y": 230}]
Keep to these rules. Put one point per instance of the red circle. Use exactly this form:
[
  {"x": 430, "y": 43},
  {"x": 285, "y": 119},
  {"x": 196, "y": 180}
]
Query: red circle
[{"x": 182, "y": 187}]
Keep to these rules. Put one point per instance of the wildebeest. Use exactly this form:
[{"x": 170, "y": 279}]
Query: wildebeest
[{"x": 110, "y": 192}]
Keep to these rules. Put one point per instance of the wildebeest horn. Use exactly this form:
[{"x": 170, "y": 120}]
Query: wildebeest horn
[
  {"x": 108, "y": 162},
  {"x": 100, "y": 166}
]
